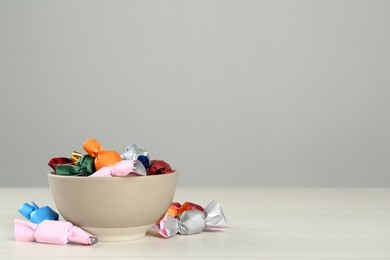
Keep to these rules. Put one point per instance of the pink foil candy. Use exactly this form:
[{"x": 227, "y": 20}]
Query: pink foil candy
[
  {"x": 51, "y": 232},
  {"x": 121, "y": 169}
]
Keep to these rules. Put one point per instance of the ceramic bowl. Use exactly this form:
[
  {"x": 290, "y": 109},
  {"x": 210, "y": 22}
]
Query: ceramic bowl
[{"x": 113, "y": 208}]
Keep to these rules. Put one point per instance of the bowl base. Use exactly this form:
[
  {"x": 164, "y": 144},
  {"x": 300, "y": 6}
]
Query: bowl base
[{"x": 118, "y": 234}]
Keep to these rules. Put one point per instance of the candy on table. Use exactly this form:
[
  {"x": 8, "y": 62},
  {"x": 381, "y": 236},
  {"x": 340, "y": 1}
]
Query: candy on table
[
  {"x": 85, "y": 166},
  {"x": 122, "y": 168},
  {"x": 176, "y": 205},
  {"x": 193, "y": 221},
  {"x": 176, "y": 208},
  {"x": 189, "y": 206},
  {"x": 159, "y": 167},
  {"x": 172, "y": 210},
  {"x": 36, "y": 214},
  {"x": 51, "y": 232},
  {"x": 134, "y": 153}
]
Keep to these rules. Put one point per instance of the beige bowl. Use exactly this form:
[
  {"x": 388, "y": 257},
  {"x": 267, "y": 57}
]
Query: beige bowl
[{"x": 113, "y": 208}]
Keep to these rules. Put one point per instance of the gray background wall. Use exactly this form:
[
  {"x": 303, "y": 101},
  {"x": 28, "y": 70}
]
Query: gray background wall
[{"x": 246, "y": 93}]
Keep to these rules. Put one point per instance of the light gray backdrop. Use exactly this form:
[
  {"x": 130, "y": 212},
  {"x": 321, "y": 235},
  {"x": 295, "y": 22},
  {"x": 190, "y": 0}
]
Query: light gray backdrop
[{"x": 246, "y": 93}]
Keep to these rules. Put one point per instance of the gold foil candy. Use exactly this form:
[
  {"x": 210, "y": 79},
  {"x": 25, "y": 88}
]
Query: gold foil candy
[{"x": 76, "y": 156}]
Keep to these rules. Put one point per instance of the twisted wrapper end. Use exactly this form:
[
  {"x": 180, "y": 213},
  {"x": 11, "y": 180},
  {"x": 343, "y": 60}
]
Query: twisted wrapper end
[
  {"x": 215, "y": 219},
  {"x": 92, "y": 147},
  {"x": 78, "y": 235},
  {"x": 168, "y": 226},
  {"x": 24, "y": 231}
]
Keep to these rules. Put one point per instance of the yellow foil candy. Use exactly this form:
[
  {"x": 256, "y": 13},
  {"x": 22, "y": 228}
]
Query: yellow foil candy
[{"x": 76, "y": 156}]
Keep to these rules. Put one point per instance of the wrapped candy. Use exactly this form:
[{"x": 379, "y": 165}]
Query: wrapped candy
[
  {"x": 102, "y": 158},
  {"x": 172, "y": 210},
  {"x": 84, "y": 167},
  {"x": 134, "y": 153},
  {"x": 159, "y": 167},
  {"x": 51, "y": 232},
  {"x": 76, "y": 156},
  {"x": 122, "y": 168},
  {"x": 189, "y": 206},
  {"x": 36, "y": 214},
  {"x": 193, "y": 221},
  {"x": 176, "y": 208},
  {"x": 59, "y": 160}
]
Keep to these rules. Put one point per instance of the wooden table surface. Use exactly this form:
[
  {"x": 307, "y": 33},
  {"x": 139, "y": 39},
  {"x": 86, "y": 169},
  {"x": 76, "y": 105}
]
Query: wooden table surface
[{"x": 264, "y": 223}]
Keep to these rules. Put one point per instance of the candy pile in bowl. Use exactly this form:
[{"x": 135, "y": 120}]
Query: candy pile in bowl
[{"x": 104, "y": 163}]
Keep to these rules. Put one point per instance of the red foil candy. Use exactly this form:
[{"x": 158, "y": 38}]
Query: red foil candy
[
  {"x": 159, "y": 167},
  {"x": 59, "y": 160}
]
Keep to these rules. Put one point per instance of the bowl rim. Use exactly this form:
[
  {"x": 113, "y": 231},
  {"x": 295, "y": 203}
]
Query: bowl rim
[{"x": 53, "y": 175}]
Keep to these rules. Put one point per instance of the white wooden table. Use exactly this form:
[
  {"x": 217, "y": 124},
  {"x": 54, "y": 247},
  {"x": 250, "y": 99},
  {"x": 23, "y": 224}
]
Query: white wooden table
[{"x": 264, "y": 223}]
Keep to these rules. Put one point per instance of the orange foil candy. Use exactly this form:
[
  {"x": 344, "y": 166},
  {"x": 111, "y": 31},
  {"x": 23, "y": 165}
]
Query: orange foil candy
[
  {"x": 102, "y": 158},
  {"x": 189, "y": 206},
  {"x": 176, "y": 208},
  {"x": 173, "y": 209}
]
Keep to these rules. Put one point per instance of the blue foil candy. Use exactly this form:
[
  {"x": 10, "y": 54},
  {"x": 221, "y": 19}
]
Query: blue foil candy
[{"x": 36, "y": 214}]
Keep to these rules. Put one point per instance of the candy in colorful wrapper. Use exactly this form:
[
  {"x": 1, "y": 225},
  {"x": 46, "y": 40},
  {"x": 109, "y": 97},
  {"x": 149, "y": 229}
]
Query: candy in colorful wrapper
[
  {"x": 84, "y": 167},
  {"x": 176, "y": 208},
  {"x": 102, "y": 158},
  {"x": 51, "y": 232},
  {"x": 189, "y": 206},
  {"x": 59, "y": 160},
  {"x": 134, "y": 153},
  {"x": 159, "y": 167},
  {"x": 76, "y": 156},
  {"x": 36, "y": 214},
  {"x": 193, "y": 221},
  {"x": 173, "y": 209},
  {"x": 122, "y": 168},
  {"x": 176, "y": 205}
]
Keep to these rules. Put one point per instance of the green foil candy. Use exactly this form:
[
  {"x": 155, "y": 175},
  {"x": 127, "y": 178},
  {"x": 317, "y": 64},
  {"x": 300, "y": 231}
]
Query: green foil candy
[{"x": 84, "y": 167}]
